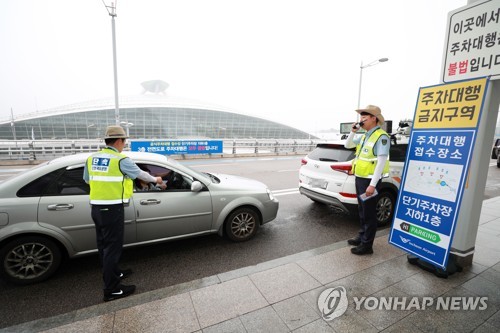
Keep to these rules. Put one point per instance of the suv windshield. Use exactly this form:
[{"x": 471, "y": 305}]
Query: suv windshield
[{"x": 331, "y": 153}]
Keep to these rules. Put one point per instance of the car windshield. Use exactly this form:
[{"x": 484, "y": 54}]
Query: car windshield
[
  {"x": 198, "y": 175},
  {"x": 331, "y": 153}
]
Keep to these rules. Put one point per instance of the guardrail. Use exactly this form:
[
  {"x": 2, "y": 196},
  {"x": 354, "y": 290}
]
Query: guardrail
[{"x": 28, "y": 150}]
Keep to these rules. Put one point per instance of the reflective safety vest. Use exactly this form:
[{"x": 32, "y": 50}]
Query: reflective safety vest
[
  {"x": 365, "y": 161},
  {"x": 108, "y": 185}
]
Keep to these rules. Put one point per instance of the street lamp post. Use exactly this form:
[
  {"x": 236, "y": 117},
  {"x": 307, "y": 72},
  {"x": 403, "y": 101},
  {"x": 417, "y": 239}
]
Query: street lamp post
[
  {"x": 373, "y": 63},
  {"x": 112, "y": 12},
  {"x": 95, "y": 127},
  {"x": 13, "y": 126},
  {"x": 127, "y": 125}
]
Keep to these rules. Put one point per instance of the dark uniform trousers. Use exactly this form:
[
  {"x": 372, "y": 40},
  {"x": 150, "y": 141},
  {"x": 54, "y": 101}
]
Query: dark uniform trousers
[
  {"x": 109, "y": 227},
  {"x": 367, "y": 212}
]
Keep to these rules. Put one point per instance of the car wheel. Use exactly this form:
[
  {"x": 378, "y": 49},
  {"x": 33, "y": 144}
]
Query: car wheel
[
  {"x": 385, "y": 208},
  {"x": 498, "y": 162},
  {"x": 242, "y": 224},
  {"x": 29, "y": 260}
]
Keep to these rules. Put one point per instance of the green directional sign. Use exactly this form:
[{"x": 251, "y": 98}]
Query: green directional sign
[{"x": 424, "y": 234}]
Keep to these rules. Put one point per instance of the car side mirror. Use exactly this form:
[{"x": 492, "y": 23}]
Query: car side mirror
[{"x": 196, "y": 186}]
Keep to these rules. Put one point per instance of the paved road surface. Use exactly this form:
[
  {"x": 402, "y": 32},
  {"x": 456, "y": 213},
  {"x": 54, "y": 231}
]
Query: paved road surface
[{"x": 301, "y": 225}]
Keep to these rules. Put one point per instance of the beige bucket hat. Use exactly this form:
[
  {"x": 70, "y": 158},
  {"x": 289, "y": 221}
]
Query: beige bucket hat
[
  {"x": 115, "y": 132},
  {"x": 374, "y": 111}
]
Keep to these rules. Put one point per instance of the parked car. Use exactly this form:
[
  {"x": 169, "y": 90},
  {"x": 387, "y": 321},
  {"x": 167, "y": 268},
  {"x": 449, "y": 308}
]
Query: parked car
[
  {"x": 495, "y": 152},
  {"x": 45, "y": 212},
  {"x": 325, "y": 177}
]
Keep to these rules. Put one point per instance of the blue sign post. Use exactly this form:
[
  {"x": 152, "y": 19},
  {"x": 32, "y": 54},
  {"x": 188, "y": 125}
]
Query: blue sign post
[
  {"x": 436, "y": 168},
  {"x": 172, "y": 147}
]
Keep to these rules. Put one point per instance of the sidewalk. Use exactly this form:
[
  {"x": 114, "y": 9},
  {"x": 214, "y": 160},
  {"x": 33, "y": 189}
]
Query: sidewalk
[{"x": 281, "y": 295}]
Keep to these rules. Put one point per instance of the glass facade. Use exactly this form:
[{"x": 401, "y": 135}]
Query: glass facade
[{"x": 148, "y": 122}]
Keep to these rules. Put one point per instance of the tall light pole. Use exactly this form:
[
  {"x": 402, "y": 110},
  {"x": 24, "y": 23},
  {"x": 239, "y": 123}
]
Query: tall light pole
[
  {"x": 13, "y": 126},
  {"x": 373, "y": 63},
  {"x": 127, "y": 125},
  {"x": 95, "y": 127},
  {"x": 112, "y": 12}
]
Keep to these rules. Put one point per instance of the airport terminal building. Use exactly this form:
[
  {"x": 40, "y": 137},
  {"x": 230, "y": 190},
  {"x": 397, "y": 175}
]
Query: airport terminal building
[{"x": 147, "y": 116}]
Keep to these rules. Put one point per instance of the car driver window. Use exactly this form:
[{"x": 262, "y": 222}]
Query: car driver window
[{"x": 155, "y": 171}]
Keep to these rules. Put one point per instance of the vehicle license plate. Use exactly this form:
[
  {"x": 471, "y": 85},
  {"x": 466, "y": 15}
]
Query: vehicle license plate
[{"x": 321, "y": 183}]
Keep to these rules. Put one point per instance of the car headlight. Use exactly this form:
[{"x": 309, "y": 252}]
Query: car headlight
[{"x": 270, "y": 194}]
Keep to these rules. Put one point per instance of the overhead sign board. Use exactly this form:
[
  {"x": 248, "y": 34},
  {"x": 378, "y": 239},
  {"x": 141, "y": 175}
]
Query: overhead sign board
[
  {"x": 472, "y": 48},
  {"x": 173, "y": 147},
  {"x": 441, "y": 143}
]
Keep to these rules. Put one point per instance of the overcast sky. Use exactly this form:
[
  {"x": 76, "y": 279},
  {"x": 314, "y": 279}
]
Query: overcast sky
[{"x": 292, "y": 61}]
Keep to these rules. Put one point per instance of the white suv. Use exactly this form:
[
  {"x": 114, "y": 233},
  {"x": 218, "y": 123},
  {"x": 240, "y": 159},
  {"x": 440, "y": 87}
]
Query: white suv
[{"x": 325, "y": 177}]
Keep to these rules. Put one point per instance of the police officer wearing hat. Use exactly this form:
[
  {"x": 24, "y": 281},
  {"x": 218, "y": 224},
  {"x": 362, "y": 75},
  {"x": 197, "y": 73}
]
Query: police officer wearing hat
[
  {"x": 371, "y": 163},
  {"x": 110, "y": 175}
]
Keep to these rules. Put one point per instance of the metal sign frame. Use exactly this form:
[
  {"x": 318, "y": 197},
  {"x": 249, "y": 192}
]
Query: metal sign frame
[{"x": 437, "y": 163}]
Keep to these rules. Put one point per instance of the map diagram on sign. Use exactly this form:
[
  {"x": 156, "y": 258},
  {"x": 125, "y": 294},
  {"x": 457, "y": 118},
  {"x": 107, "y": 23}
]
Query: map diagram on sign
[{"x": 436, "y": 180}]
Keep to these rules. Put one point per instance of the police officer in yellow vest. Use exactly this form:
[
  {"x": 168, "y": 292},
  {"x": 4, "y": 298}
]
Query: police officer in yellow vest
[
  {"x": 369, "y": 166},
  {"x": 110, "y": 175}
]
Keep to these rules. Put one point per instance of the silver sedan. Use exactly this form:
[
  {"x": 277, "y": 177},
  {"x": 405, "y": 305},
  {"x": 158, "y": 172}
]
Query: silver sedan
[{"x": 45, "y": 212}]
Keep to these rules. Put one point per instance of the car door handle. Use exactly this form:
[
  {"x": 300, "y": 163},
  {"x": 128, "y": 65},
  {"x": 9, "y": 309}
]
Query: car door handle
[
  {"x": 150, "y": 202},
  {"x": 60, "y": 207}
]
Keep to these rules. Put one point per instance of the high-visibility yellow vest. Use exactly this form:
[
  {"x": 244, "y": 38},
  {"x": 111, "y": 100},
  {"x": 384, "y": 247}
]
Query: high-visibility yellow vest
[
  {"x": 365, "y": 161},
  {"x": 108, "y": 185}
]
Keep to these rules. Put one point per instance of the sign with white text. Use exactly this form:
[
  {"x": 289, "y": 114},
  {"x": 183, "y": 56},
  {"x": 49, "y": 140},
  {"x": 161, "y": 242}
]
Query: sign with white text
[
  {"x": 441, "y": 143},
  {"x": 171, "y": 147}
]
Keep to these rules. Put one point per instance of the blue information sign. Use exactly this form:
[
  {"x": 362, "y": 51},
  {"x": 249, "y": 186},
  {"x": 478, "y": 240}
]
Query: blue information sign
[
  {"x": 171, "y": 147},
  {"x": 434, "y": 175}
]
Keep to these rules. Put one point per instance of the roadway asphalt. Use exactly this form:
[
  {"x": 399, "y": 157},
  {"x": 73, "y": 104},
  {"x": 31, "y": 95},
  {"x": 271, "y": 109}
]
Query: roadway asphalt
[{"x": 301, "y": 225}]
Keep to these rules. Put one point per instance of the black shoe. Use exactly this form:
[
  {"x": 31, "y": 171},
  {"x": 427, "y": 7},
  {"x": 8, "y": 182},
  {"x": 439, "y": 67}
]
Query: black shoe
[
  {"x": 354, "y": 241},
  {"x": 120, "y": 292},
  {"x": 362, "y": 249},
  {"x": 125, "y": 273}
]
